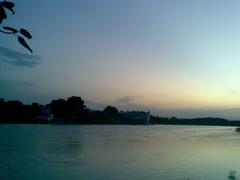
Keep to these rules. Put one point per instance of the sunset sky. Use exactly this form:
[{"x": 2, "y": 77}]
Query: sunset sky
[{"x": 173, "y": 57}]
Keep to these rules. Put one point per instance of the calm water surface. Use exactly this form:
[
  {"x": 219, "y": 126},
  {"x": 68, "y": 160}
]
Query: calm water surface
[{"x": 44, "y": 152}]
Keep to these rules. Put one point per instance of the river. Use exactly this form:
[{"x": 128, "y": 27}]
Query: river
[{"x": 118, "y": 152}]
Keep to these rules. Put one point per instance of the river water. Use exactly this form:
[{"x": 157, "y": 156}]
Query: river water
[{"x": 79, "y": 152}]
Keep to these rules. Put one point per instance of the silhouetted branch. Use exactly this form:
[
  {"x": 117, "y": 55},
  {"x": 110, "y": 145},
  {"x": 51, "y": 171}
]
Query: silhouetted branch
[{"x": 9, "y": 30}]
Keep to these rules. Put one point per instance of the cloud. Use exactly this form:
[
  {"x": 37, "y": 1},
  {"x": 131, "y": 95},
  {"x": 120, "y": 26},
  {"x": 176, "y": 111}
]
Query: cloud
[
  {"x": 18, "y": 59},
  {"x": 127, "y": 99},
  {"x": 232, "y": 92},
  {"x": 18, "y": 90},
  {"x": 95, "y": 105},
  {"x": 16, "y": 86}
]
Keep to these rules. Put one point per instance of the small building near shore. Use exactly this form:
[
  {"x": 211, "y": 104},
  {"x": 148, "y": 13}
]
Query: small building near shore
[
  {"x": 46, "y": 114},
  {"x": 140, "y": 117}
]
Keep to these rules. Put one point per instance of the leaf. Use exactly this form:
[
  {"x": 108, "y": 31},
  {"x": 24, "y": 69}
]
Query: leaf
[
  {"x": 25, "y": 33},
  {"x": 10, "y": 29},
  {"x": 3, "y": 14},
  {"x": 8, "y": 5},
  {"x": 23, "y": 43}
]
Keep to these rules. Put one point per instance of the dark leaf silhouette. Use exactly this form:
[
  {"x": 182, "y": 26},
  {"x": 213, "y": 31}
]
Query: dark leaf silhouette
[
  {"x": 24, "y": 43},
  {"x": 2, "y": 14},
  {"x": 10, "y": 29},
  {"x": 8, "y": 5},
  {"x": 25, "y": 33}
]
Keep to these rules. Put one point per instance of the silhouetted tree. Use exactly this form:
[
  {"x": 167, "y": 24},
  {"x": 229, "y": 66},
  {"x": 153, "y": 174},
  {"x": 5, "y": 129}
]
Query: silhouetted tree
[
  {"x": 110, "y": 110},
  {"x": 71, "y": 110},
  {"x": 75, "y": 104},
  {"x": 2, "y": 102},
  {"x": 35, "y": 109},
  {"x": 61, "y": 107},
  {"x": 14, "y": 104},
  {"x": 58, "y": 107},
  {"x": 111, "y": 115},
  {"x": 21, "y": 33},
  {"x": 15, "y": 112}
]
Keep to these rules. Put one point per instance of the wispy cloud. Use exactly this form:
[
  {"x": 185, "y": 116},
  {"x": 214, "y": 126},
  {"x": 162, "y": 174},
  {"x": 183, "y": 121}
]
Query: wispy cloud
[
  {"x": 127, "y": 99},
  {"x": 18, "y": 59},
  {"x": 95, "y": 105},
  {"x": 232, "y": 92},
  {"x": 16, "y": 86}
]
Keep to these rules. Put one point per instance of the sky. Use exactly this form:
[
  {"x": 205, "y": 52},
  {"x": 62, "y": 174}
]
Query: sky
[{"x": 174, "y": 58}]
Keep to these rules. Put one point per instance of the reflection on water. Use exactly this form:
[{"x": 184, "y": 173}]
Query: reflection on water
[
  {"x": 118, "y": 152},
  {"x": 68, "y": 147}
]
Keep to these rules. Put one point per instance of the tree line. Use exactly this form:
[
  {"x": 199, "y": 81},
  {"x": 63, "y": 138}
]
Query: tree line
[
  {"x": 74, "y": 111},
  {"x": 70, "y": 111}
]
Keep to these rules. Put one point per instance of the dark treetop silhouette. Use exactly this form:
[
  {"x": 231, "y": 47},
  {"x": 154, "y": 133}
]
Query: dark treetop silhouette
[{"x": 7, "y": 5}]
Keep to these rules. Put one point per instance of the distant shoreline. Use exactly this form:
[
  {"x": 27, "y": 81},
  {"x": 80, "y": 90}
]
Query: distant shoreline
[
  {"x": 229, "y": 124},
  {"x": 73, "y": 111}
]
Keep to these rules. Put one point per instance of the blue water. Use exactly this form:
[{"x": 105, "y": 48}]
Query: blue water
[{"x": 44, "y": 152}]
